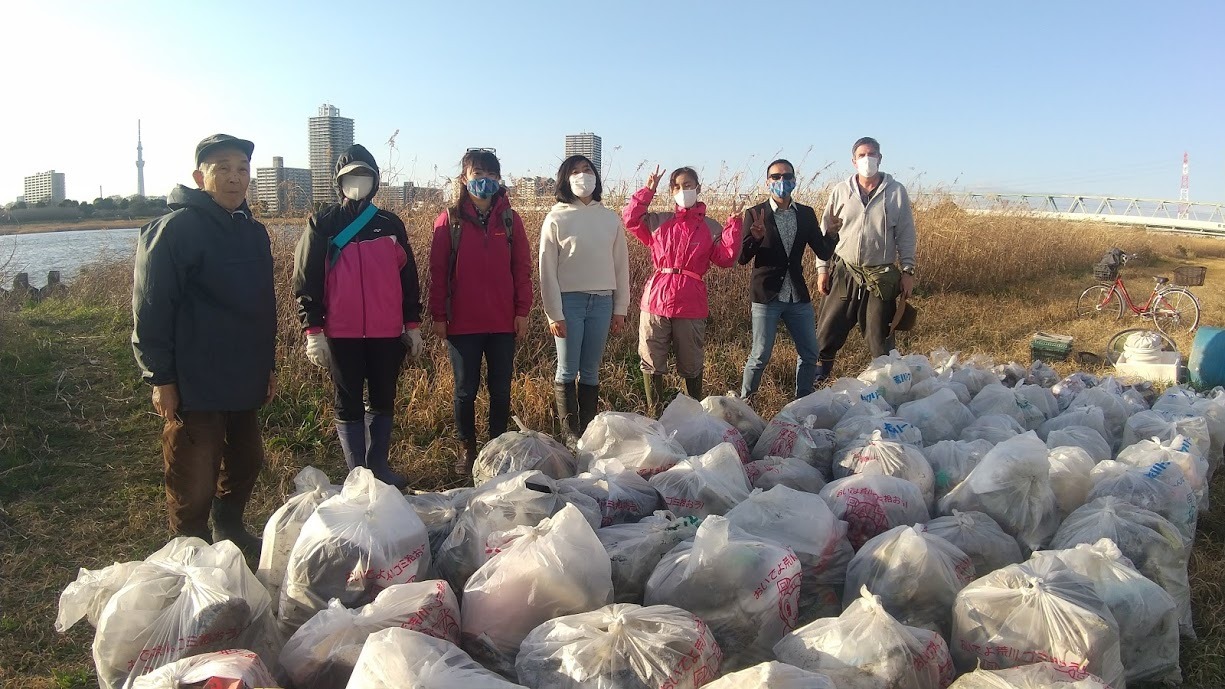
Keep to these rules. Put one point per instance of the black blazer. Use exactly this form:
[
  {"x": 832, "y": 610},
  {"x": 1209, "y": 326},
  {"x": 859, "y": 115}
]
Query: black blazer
[{"x": 771, "y": 262}]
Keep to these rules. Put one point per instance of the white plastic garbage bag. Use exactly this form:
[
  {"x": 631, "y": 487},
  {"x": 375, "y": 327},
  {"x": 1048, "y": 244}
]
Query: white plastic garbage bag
[
  {"x": 438, "y": 512},
  {"x": 1083, "y": 437},
  {"x": 1068, "y": 388},
  {"x": 698, "y": 432},
  {"x": 858, "y": 392},
  {"x": 980, "y": 538},
  {"x": 773, "y": 675},
  {"x": 356, "y": 544},
  {"x": 1016, "y": 616},
  {"x": 1177, "y": 451},
  {"x": 942, "y": 381},
  {"x": 636, "y": 549},
  {"x": 623, "y": 495},
  {"x": 230, "y": 666},
  {"x": 994, "y": 428},
  {"x": 1091, "y": 417},
  {"x": 872, "y": 505},
  {"x": 1162, "y": 488},
  {"x": 186, "y": 590},
  {"x": 866, "y": 648},
  {"x": 784, "y": 471},
  {"x": 953, "y": 460},
  {"x": 887, "y": 458},
  {"x": 745, "y": 588},
  {"x": 915, "y": 574},
  {"x": 1146, "y": 538},
  {"x": 523, "y": 450},
  {"x": 636, "y": 441},
  {"x": 711, "y": 483},
  {"x": 1149, "y": 627},
  {"x": 1012, "y": 485},
  {"x": 999, "y": 400},
  {"x": 975, "y": 377},
  {"x": 852, "y": 429},
  {"x": 1041, "y": 374},
  {"x": 621, "y": 646},
  {"x": 891, "y": 376},
  {"x": 738, "y": 413},
  {"x": 938, "y": 417},
  {"x": 804, "y": 523},
  {"x": 825, "y": 406},
  {"x": 806, "y": 441},
  {"x": 1010, "y": 373},
  {"x": 1212, "y": 407},
  {"x": 281, "y": 532},
  {"x": 1044, "y": 675},
  {"x": 1070, "y": 468},
  {"x": 1111, "y": 403},
  {"x": 1166, "y": 425},
  {"x": 400, "y": 658},
  {"x": 1041, "y": 400},
  {"x": 324, "y": 651},
  {"x": 921, "y": 368}
]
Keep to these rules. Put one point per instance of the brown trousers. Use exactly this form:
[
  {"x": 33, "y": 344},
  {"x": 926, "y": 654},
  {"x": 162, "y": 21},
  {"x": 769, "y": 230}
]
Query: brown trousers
[
  {"x": 657, "y": 335},
  {"x": 209, "y": 454}
]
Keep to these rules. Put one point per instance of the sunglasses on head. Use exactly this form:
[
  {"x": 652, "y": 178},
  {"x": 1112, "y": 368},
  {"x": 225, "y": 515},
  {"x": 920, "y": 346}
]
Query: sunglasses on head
[{"x": 783, "y": 175}]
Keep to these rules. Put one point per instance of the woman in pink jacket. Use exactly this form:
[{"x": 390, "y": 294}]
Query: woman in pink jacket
[{"x": 683, "y": 244}]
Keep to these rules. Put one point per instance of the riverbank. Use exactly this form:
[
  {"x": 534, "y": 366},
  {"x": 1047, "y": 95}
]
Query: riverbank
[{"x": 80, "y": 225}]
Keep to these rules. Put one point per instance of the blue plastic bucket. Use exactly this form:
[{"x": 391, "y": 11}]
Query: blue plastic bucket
[{"x": 1207, "y": 364}]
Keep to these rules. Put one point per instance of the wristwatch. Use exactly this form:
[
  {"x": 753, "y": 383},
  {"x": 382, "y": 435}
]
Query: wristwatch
[{"x": 909, "y": 270}]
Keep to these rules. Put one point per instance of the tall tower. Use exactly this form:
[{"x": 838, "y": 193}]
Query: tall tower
[
  {"x": 586, "y": 144},
  {"x": 330, "y": 134},
  {"x": 140, "y": 163},
  {"x": 1184, "y": 191}
]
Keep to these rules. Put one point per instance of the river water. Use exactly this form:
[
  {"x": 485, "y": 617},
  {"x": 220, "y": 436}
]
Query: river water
[{"x": 66, "y": 252}]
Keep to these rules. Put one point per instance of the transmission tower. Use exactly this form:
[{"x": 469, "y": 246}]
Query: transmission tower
[{"x": 1184, "y": 191}]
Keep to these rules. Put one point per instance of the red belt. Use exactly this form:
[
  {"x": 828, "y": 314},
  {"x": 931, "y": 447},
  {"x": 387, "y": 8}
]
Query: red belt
[{"x": 680, "y": 271}]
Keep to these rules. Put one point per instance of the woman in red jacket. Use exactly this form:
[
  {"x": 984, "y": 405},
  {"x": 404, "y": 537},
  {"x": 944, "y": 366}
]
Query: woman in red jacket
[{"x": 480, "y": 294}]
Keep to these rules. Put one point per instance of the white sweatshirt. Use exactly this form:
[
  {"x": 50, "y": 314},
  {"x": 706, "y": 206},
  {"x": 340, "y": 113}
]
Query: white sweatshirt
[{"x": 583, "y": 249}]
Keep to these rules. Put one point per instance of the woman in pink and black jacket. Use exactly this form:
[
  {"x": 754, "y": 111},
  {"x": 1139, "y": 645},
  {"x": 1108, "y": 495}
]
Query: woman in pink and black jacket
[
  {"x": 360, "y": 305},
  {"x": 480, "y": 294},
  {"x": 684, "y": 244}
]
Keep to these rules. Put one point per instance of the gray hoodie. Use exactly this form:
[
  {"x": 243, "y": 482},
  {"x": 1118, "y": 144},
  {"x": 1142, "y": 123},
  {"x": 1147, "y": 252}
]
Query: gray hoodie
[{"x": 878, "y": 234}]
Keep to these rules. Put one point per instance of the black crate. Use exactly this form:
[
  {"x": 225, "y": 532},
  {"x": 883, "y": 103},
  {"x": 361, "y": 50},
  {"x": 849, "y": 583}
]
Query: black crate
[
  {"x": 1190, "y": 276},
  {"x": 1105, "y": 272}
]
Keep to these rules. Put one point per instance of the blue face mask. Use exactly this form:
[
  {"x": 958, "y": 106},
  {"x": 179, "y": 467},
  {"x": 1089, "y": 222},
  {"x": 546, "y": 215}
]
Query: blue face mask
[
  {"x": 483, "y": 187},
  {"x": 782, "y": 188}
]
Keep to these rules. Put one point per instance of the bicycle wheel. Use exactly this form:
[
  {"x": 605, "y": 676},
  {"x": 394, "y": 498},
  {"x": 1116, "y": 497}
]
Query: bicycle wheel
[
  {"x": 1099, "y": 302},
  {"x": 1175, "y": 311}
]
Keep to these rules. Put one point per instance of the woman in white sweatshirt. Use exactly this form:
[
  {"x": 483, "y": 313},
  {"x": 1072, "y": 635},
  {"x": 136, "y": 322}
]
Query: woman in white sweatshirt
[{"x": 584, "y": 285}]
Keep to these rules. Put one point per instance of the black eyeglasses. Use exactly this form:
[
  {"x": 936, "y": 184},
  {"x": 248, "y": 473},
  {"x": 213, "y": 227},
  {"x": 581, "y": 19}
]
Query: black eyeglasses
[{"x": 783, "y": 175}]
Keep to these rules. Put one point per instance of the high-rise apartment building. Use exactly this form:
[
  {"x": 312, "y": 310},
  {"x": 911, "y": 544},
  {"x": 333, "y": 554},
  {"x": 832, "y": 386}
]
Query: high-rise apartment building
[
  {"x": 585, "y": 144},
  {"x": 281, "y": 189},
  {"x": 407, "y": 195},
  {"x": 330, "y": 135},
  {"x": 45, "y": 186}
]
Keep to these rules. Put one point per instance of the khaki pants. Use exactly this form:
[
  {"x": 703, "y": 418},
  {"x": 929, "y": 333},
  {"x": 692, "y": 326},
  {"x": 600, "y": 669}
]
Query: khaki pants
[
  {"x": 209, "y": 454},
  {"x": 685, "y": 336}
]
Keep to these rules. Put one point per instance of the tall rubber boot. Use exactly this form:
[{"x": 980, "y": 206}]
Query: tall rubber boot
[
  {"x": 352, "y": 435},
  {"x": 693, "y": 387},
  {"x": 377, "y": 449},
  {"x": 653, "y": 386},
  {"x": 588, "y": 403},
  {"x": 227, "y": 526},
  {"x": 565, "y": 396}
]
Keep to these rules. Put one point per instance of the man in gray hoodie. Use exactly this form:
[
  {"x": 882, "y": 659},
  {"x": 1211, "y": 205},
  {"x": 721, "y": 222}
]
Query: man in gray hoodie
[{"x": 204, "y": 334}]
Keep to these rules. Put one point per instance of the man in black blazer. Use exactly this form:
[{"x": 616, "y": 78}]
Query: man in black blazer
[{"x": 774, "y": 237}]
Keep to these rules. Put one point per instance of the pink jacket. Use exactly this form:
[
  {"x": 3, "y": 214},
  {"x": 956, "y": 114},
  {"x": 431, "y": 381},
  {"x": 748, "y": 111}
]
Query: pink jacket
[{"x": 683, "y": 245}]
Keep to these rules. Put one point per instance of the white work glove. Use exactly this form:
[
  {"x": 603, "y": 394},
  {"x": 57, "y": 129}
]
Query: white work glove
[
  {"x": 412, "y": 341},
  {"x": 317, "y": 351}
]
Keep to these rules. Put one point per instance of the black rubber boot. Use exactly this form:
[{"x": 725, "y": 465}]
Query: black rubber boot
[
  {"x": 352, "y": 435},
  {"x": 693, "y": 387},
  {"x": 653, "y": 386},
  {"x": 227, "y": 526},
  {"x": 565, "y": 396},
  {"x": 377, "y": 449},
  {"x": 588, "y": 403}
]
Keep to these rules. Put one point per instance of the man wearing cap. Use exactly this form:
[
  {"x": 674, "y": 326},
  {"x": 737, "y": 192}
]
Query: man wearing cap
[{"x": 204, "y": 312}]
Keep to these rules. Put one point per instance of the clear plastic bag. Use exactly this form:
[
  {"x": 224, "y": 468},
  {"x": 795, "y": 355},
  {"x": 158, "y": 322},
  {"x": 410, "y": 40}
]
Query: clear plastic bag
[
  {"x": 1043, "y": 675},
  {"x": 634, "y": 550},
  {"x": 621, "y": 646},
  {"x": 356, "y": 544},
  {"x": 806, "y": 441},
  {"x": 1149, "y": 627},
  {"x": 1111, "y": 403},
  {"x": 921, "y": 368},
  {"x": 1068, "y": 388},
  {"x": 938, "y": 417},
  {"x": 784, "y": 471},
  {"x": 871, "y": 505},
  {"x": 144, "y": 611},
  {"x": 1083, "y": 437},
  {"x": 523, "y": 450},
  {"x": 942, "y": 381},
  {"x": 698, "y": 432},
  {"x": 747, "y": 589},
  {"x": 1070, "y": 469},
  {"x": 324, "y": 651},
  {"x": 1041, "y": 374},
  {"x": 711, "y": 483},
  {"x": 1167, "y": 425},
  {"x": 738, "y": 413},
  {"x": 1177, "y": 451},
  {"x": 1016, "y": 616},
  {"x": 853, "y": 429},
  {"x": 238, "y": 665},
  {"x": 975, "y": 376},
  {"x": 1090, "y": 417},
  {"x": 997, "y": 399},
  {"x": 866, "y": 648},
  {"x": 773, "y": 675},
  {"x": 636, "y": 441},
  {"x": 804, "y": 523},
  {"x": 825, "y": 407},
  {"x": 953, "y": 460},
  {"x": 1012, "y": 485},
  {"x": 857, "y": 392},
  {"x": 886, "y": 458},
  {"x": 438, "y": 512},
  {"x": 623, "y": 495},
  {"x": 980, "y": 538},
  {"x": 1162, "y": 488},
  {"x": 1212, "y": 407},
  {"x": 915, "y": 575},
  {"x": 400, "y": 658},
  {"x": 993, "y": 428},
  {"x": 891, "y": 376},
  {"x": 281, "y": 532},
  {"x": 1146, "y": 538},
  {"x": 538, "y": 573},
  {"x": 1010, "y": 373}
]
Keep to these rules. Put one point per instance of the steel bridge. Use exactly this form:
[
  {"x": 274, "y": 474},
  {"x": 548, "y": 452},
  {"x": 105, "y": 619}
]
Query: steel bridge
[{"x": 1154, "y": 214}]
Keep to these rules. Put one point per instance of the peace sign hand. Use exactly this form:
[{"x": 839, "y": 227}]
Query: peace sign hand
[
  {"x": 653, "y": 179},
  {"x": 757, "y": 224},
  {"x": 737, "y": 205}
]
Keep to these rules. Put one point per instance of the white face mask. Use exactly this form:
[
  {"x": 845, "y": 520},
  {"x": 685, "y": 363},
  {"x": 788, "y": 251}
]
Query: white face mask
[
  {"x": 867, "y": 166},
  {"x": 356, "y": 187},
  {"x": 685, "y": 198},
  {"x": 582, "y": 184}
]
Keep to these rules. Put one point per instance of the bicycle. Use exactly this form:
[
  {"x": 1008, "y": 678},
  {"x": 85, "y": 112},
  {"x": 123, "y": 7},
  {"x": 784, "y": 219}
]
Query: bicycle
[{"x": 1173, "y": 309}]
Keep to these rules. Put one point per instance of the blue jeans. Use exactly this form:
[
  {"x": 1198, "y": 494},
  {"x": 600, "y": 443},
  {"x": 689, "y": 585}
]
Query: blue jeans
[
  {"x": 588, "y": 318},
  {"x": 466, "y": 352},
  {"x": 800, "y": 319}
]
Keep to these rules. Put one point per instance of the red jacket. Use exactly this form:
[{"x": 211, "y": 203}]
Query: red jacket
[
  {"x": 490, "y": 286},
  {"x": 686, "y": 241}
]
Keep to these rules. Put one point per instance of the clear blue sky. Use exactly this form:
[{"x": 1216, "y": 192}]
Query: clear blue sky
[{"x": 1087, "y": 97}]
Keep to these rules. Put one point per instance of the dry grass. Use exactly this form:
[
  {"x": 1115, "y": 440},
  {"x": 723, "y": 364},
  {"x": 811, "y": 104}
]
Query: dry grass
[{"x": 80, "y": 467}]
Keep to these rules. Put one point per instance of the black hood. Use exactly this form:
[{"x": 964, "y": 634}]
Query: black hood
[
  {"x": 186, "y": 197},
  {"x": 356, "y": 153}
]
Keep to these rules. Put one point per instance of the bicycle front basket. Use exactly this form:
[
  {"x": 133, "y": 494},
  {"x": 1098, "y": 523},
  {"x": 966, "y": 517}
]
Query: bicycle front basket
[{"x": 1105, "y": 272}]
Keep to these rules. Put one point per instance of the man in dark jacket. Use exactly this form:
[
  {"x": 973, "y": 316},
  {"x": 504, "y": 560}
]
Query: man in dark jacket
[
  {"x": 775, "y": 235},
  {"x": 204, "y": 312}
]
